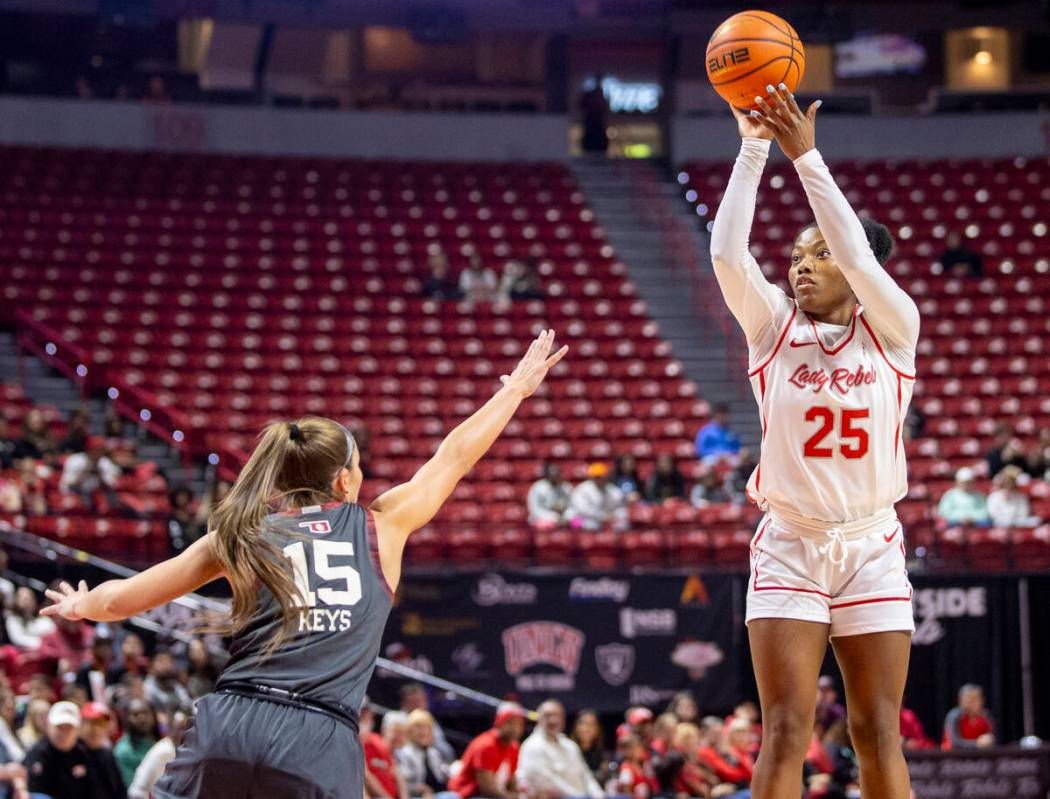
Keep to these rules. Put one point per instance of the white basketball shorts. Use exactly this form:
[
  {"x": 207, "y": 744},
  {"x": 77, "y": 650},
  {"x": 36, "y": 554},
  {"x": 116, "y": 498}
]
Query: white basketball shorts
[{"x": 791, "y": 578}]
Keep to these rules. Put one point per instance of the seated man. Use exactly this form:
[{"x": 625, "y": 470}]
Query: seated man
[
  {"x": 596, "y": 502},
  {"x": 963, "y": 503},
  {"x": 551, "y": 765},
  {"x": 491, "y": 759},
  {"x": 969, "y": 725},
  {"x": 548, "y": 499}
]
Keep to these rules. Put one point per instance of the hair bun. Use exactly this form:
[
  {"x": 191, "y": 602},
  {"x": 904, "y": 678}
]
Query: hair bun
[
  {"x": 879, "y": 239},
  {"x": 294, "y": 433}
]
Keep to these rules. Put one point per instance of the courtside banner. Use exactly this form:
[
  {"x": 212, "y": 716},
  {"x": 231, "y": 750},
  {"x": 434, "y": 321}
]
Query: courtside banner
[
  {"x": 1005, "y": 773},
  {"x": 601, "y": 641}
]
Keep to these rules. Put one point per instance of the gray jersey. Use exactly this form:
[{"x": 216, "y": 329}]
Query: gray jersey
[{"x": 332, "y": 550}]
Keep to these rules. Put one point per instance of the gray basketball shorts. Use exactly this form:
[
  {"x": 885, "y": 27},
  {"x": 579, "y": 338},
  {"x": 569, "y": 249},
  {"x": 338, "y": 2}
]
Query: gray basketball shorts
[{"x": 245, "y": 748}]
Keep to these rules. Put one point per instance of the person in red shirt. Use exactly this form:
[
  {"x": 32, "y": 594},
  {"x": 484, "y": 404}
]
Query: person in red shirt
[
  {"x": 731, "y": 760},
  {"x": 636, "y": 777},
  {"x": 969, "y": 725},
  {"x": 382, "y": 779},
  {"x": 694, "y": 779},
  {"x": 913, "y": 736},
  {"x": 492, "y": 758},
  {"x": 69, "y": 644}
]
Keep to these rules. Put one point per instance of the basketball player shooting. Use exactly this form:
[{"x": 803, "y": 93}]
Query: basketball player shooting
[
  {"x": 313, "y": 576},
  {"x": 832, "y": 371}
]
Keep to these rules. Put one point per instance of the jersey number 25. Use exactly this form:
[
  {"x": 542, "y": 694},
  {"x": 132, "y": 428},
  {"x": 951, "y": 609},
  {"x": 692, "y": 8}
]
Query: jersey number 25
[
  {"x": 322, "y": 554},
  {"x": 854, "y": 440}
]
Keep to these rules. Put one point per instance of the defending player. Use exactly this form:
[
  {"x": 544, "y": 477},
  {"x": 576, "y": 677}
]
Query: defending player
[
  {"x": 312, "y": 588},
  {"x": 832, "y": 371}
]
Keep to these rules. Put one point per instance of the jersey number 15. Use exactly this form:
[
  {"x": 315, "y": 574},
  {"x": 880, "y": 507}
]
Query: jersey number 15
[
  {"x": 854, "y": 440},
  {"x": 322, "y": 553}
]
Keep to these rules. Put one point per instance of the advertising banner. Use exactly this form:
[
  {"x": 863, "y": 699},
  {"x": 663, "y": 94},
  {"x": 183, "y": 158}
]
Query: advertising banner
[{"x": 1008, "y": 773}]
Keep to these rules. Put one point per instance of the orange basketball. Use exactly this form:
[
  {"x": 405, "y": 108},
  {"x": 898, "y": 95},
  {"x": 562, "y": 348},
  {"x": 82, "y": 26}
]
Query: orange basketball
[{"x": 750, "y": 51}]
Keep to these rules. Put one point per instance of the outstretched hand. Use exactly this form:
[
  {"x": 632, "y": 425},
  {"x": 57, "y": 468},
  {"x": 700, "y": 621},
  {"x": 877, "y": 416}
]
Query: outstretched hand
[
  {"x": 751, "y": 127},
  {"x": 65, "y": 599},
  {"x": 795, "y": 132},
  {"x": 532, "y": 368}
]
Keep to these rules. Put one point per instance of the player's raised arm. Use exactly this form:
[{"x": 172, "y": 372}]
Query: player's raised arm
[
  {"x": 887, "y": 305},
  {"x": 750, "y": 297},
  {"x": 114, "y": 600},
  {"x": 407, "y": 507}
]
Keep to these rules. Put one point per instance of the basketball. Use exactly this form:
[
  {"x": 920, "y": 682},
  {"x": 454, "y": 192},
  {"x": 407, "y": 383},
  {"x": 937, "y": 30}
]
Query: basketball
[{"x": 750, "y": 51}]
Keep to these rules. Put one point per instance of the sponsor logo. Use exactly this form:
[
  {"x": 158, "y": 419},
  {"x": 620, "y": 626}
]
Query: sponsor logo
[
  {"x": 696, "y": 657},
  {"x": 604, "y": 588},
  {"x": 730, "y": 58},
  {"x": 543, "y": 643},
  {"x": 615, "y": 662},
  {"x": 797, "y": 344},
  {"x": 933, "y": 604},
  {"x": 694, "y": 592},
  {"x": 656, "y": 621},
  {"x": 468, "y": 657},
  {"x": 890, "y": 537},
  {"x": 437, "y": 626},
  {"x": 649, "y": 695},
  {"x": 841, "y": 380},
  {"x": 492, "y": 589},
  {"x": 317, "y": 528}
]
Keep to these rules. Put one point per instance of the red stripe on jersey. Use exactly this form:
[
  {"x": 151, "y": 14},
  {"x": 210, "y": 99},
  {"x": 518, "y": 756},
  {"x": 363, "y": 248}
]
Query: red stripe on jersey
[
  {"x": 882, "y": 352},
  {"x": 873, "y": 601},
  {"x": 897, "y": 431},
  {"x": 847, "y": 340},
  {"x": 776, "y": 349}
]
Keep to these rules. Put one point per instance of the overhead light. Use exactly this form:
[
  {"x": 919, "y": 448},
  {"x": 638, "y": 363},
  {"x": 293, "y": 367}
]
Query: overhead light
[{"x": 983, "y": 57}]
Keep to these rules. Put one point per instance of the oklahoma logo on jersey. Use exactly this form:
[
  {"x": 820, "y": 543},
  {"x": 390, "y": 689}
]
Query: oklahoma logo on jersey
[{"x": 841, "y": 380}]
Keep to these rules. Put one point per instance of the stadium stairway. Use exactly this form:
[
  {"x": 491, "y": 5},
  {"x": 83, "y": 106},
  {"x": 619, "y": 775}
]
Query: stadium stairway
[
  {"x": 656, "y": 235},
  {"x": 45, "y": 386}
]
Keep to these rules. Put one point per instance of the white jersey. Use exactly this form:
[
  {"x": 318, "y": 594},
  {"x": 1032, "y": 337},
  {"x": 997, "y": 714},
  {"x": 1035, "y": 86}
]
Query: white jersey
[
  {"x": 832, "y": 398},
  {"x": 832, "y": 407}
]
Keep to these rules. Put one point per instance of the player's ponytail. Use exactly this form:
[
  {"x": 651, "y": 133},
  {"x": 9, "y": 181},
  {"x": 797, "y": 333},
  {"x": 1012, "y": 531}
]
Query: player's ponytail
[{"x": 297, "y": 460}]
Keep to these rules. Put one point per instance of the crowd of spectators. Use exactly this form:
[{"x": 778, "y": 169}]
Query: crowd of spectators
[{"x": 479, "y": 284}]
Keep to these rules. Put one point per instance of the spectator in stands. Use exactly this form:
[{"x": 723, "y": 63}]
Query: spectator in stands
[
  {"x": 964, "y": 504},
  {"x": 1006, "y": 450},
  {"x": 694, "y": 779},
  {"x": 1007, "y": 506},
  {"x": 550, "y": 765},
  {"x": 382, "y": 778},
  {"x": 548, "y": 499},
  {"x": 95, "y": 730},
  {"x": 593, "y": 110},
  {"x": 11, "y": 747},
  {"x": 60, "y": 766},
  {"x": 183, "y": 523},
  {"x": 914, "y": 423},
  {"x": 423, "y": 766},
  {"x": 663, "y": 733},
  {"x": 521, "y": 280},
  {"x": 830, "y": 712},
  {"x": 164, "y": 692},
  {"x": 635, "y": 778},
  {"x": 913, "y": 736},
  {"x": 90, "y": 472},
  {"x": 69, "y": 643},
  {"x": 439, "y": 284},
  {"x": 203, "y": 671},
  {"x": 26, "y": 628},
  {"x": 414, "y": 696},
  {"x": 477, "y": 283},
  {"x": 710, "y": 489},
  {"x": 77, "y": 433},
  {"x": 394, "y": 730},
  {"x": 666, "y": 482},
  {"x": 491, "y": 760},
  {"x": 715, "y": 440},
  {"x": 36, "y": 439},
  {"x": 969, "y": 725},
  {"x": 8, "y": 445},
  {"x": 157, "y": 758},
  {"x": 729, "y": 757},
  {"x": 588, "y": 735},
  {"x": 1037, "y": 462},
  {"x": 672, "y": 781},
  {"x": 156, "y": 91},
  {"x": 626, "y": 478},
  {"x": 959, "y": 260},
  {"x": 736, "y": 481},
  {"x": 132, "y": 659},
  {"x": 34, "y": 728},
  {"x": 596, "y": 502},
  {"x": 140, "y": 733},
  {"x": 92, "y": 675},
  {"x": 22, "y": 489},
  {"x": 683, "y": 706},
  {"x": 7, "y": 589}
]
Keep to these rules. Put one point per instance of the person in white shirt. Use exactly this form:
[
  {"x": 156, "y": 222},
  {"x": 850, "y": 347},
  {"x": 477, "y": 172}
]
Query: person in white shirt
[
  {"x": 160, "y": 754},
  {"x": 88, "y": 471},
  {"x": 424, "y": 767},
  {"x": 477, "y": 283},
  {"x": 548, "y": 499},
  {"x": 1007, "y": 506},
  {"x": 596, "y": 502},
  {"x": 550, "y": 764},
  {"x": 832, "y": 368},
  {"x": 25, "y": 626}
]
